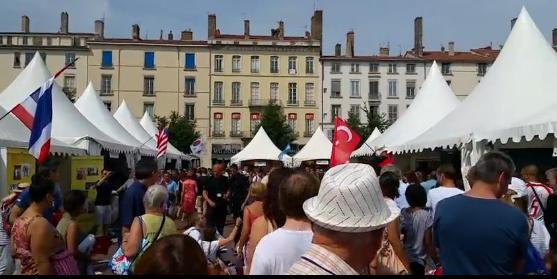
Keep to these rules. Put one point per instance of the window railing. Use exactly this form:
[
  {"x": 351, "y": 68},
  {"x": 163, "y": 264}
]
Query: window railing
[
  {"x": 308, "y": 134},
  {"x": 218, "y": 102},
  {"x": 106, "y": 92},
  {"x": 336, "y": 95},
  {"x": 218, "y": 133},
  {"x": 236, "y": 134},
  {"x": 374, "y": 96},
  {"x": 235, "y": 102},
  {"x": 310, "y": 103},
  {"x": 292, "y": 102},
  {"x": 263, "y": 102}
]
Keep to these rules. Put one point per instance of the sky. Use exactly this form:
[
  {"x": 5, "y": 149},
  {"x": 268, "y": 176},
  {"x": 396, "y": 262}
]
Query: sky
[{"x": 376, "y": 23}]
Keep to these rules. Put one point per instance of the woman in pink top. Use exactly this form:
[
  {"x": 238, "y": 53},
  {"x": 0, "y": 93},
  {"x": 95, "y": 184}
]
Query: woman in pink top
[{"x": 189, "y": 193}]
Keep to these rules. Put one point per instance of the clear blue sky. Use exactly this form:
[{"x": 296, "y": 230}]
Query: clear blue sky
[{"x": 470, "y": 23}]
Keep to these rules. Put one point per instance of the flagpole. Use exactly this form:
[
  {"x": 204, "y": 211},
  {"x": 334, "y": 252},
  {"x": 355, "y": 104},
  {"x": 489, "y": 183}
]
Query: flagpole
[{"x": 55, "y": 76}]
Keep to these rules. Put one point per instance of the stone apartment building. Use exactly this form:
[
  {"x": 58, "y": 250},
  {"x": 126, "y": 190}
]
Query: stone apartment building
[
  {"x": 387, "y": 84},
  {"x": 249, "y": 71}
]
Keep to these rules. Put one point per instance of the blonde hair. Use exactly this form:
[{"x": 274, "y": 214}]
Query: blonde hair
[{"x": 257, "y": 190}]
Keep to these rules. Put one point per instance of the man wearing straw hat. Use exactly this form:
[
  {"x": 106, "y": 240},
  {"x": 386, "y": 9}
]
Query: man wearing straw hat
[{"x": 348, "y": 218}]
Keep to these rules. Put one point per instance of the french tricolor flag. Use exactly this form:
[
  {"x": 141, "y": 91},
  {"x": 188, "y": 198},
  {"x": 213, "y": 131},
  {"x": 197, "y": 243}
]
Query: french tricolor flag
[{"x": 35, "y": 112}]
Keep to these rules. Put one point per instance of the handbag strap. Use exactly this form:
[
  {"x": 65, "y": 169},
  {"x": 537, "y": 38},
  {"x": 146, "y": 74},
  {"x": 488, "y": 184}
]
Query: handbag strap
[
  {"x": 538, "y": 198},
  {"x": 160, "y": 228}
]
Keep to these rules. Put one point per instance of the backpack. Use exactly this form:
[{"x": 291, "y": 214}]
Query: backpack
[{"x": 5, "y": 210}]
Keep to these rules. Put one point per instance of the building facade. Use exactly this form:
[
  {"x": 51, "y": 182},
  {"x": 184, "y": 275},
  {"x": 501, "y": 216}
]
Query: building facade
[
  {"x": 248, "y": 72},
  {"x": 386, "y": 85}
]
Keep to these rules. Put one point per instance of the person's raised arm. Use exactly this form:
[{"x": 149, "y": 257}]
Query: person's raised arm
[
  {"x": 230, "y": 238},
  {"x": 42, "y": 245},
  {"x": 393, "y": 235}
]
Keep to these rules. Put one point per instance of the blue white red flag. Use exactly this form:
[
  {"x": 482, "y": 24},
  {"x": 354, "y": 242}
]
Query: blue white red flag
[{"x": 35, "y": 112}]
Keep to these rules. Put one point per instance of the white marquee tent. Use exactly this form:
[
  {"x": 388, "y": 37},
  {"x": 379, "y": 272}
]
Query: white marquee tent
[
  {"x": 434, "y": 101},
  {"x": 124, "y": 116},
  {"x": 318, "y": 147},
  {"x": 68, "y": 124},
  {"x": 519, "y": 84},
  {"x": 260, "y": 148},
  {"x": 364, "y": 150},
  {"x": 92, "y": 107},
  {"x": 172, "y": 152}
]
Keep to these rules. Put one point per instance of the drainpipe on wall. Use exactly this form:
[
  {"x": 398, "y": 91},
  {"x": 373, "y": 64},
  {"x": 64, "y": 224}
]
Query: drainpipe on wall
[{"x": 118, "y": 95}]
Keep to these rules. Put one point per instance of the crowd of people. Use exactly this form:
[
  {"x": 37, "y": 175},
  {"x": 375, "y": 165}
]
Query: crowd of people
[{"x": 346, "y": 221}]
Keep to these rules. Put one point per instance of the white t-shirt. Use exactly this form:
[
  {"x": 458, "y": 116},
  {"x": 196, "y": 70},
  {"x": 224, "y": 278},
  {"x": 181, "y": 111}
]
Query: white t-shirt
[
  {"x": 534, "y": 209},
  {"x": 210, "y": 248},
  {"x": 279, "y": 250},
  {"x": 434, "y": 196},
  {"x": 401, "y": 200}
]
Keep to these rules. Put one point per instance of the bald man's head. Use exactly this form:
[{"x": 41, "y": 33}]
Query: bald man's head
[{"x": 530, "y": 173}]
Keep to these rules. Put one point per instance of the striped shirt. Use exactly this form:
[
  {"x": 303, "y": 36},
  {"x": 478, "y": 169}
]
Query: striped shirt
[
  {"x": 4, "y": 239},
  {"x": 320, "y": 261}
]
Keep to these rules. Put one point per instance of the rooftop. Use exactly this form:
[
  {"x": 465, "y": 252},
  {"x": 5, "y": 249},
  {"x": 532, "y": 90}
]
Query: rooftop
[
  {"x": 477, "y": 55},
  {"x": 129, "y": 41},
  {"x": 369, "y": 58}
]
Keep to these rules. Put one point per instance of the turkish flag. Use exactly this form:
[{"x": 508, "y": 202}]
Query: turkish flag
[{"x": 345, "y": 141}]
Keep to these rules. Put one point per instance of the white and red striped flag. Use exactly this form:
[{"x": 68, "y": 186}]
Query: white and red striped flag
[{"x": 162, "y": 142}]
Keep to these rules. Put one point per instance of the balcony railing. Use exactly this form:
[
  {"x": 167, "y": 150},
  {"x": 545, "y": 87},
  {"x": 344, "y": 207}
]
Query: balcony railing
[
  {"x": 236, "y": 102},
  {"x": 374, "y": 97},
  {"x": 263, "y": 102},
  {"x": 236, "y": 134},
  {"x": 309, "y": 103},
  {"x": 293, "y": 102},
  {"x": 218, "y": 134},
  {"x": 218, "y": 102}
]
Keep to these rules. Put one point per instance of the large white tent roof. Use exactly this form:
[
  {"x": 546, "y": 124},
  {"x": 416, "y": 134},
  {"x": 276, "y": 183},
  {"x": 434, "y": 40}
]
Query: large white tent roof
[
  {"x": 147, "y": 123},
  {"x": 92, "y": 107},
  {"x": 124, "y": 116},
  {"x": 318, "y": 147},
  {"x": 68, "y": 124},
  {"x": 434, "y": 101},
  {"x": 14, "y": 134},
  {"x": 259, "y": 148},
  {"x": 364, "y": 149},
  {"x": 521, "y": 81}
]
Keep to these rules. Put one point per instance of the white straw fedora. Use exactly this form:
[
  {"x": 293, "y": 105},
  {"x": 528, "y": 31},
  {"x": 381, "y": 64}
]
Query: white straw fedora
[{"x": 349, "y": 200}]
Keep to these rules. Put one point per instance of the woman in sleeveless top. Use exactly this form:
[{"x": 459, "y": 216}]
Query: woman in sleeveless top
[
  {"x": 251, "y": 212},
  {"x": 272, "y": 218},
  {"x": 148, "y": 225},
  {"x": 35, "y": 242},
  {"x": 189, "y": 194}
]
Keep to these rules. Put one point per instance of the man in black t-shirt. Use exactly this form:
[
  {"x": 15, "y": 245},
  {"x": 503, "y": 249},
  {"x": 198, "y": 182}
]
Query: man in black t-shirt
[
  {"x": 214, "y": 194},
  {"x": 239, "y": 186},
  {"x": 103, "y": 212},
  {"x": 201, "y": 180}
]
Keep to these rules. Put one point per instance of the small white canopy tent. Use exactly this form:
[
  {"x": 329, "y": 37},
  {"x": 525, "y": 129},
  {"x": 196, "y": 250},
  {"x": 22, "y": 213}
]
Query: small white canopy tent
[
  {"x": 259, "y": 148},
  {"x": 520, "y": 82},
  {"x": 318, "y": 147},
  {"x": 68, "y": 124},
  {"x": 364, "y": 150},
  {"x": 434, "y": 101},
  {"x": 92, "y": 107},
  {"x": 147, "y": 123}
]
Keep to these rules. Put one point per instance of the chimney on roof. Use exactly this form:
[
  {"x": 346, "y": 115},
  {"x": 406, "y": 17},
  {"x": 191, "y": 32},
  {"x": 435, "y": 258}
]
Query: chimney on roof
[
  {"x": 99, "y": 29},
  {"x": 384, "y": 51},
  {"x": 64, "y": 22},
  {"x": 246, "y": 29},
  {"x": 25, "y": 24},
  {"x": 338, "y": 50},
  {"x": 418, "y": 34},
  {"x": 451, "y": 48},
  {"x": 211, "y": 26},
  {"x": 170, "y": 36},
  {"x": 350, "y": 44},
  {"x": 308, "y": 35},
  {"x": 317, "y": 25},
  {"x": 513, "y": 21},
  {"x": 281, "y": 30},
  {"x": 554, "y": 37},
  {"x": 187, "y": 35},
  {"x": 135, "y": 32},
  {"x": 160, "y": 37}
]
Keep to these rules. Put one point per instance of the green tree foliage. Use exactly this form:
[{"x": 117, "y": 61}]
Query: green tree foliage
[
  {"x": 373, "y": 121},
  {"x": 274, "y": 122},
  {"x": 181, "y": 131}
]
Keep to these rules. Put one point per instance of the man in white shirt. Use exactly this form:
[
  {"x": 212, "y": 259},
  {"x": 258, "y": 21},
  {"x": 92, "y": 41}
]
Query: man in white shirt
[
  {"x": 446, "y": 175},
  {"x": 530, "y": 175},
  {"x": 279, "y": 250}
]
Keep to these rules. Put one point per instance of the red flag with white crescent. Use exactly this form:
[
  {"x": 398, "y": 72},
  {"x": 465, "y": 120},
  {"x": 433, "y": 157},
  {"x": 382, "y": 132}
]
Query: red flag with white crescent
[{"x": 345, "y": 140}]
